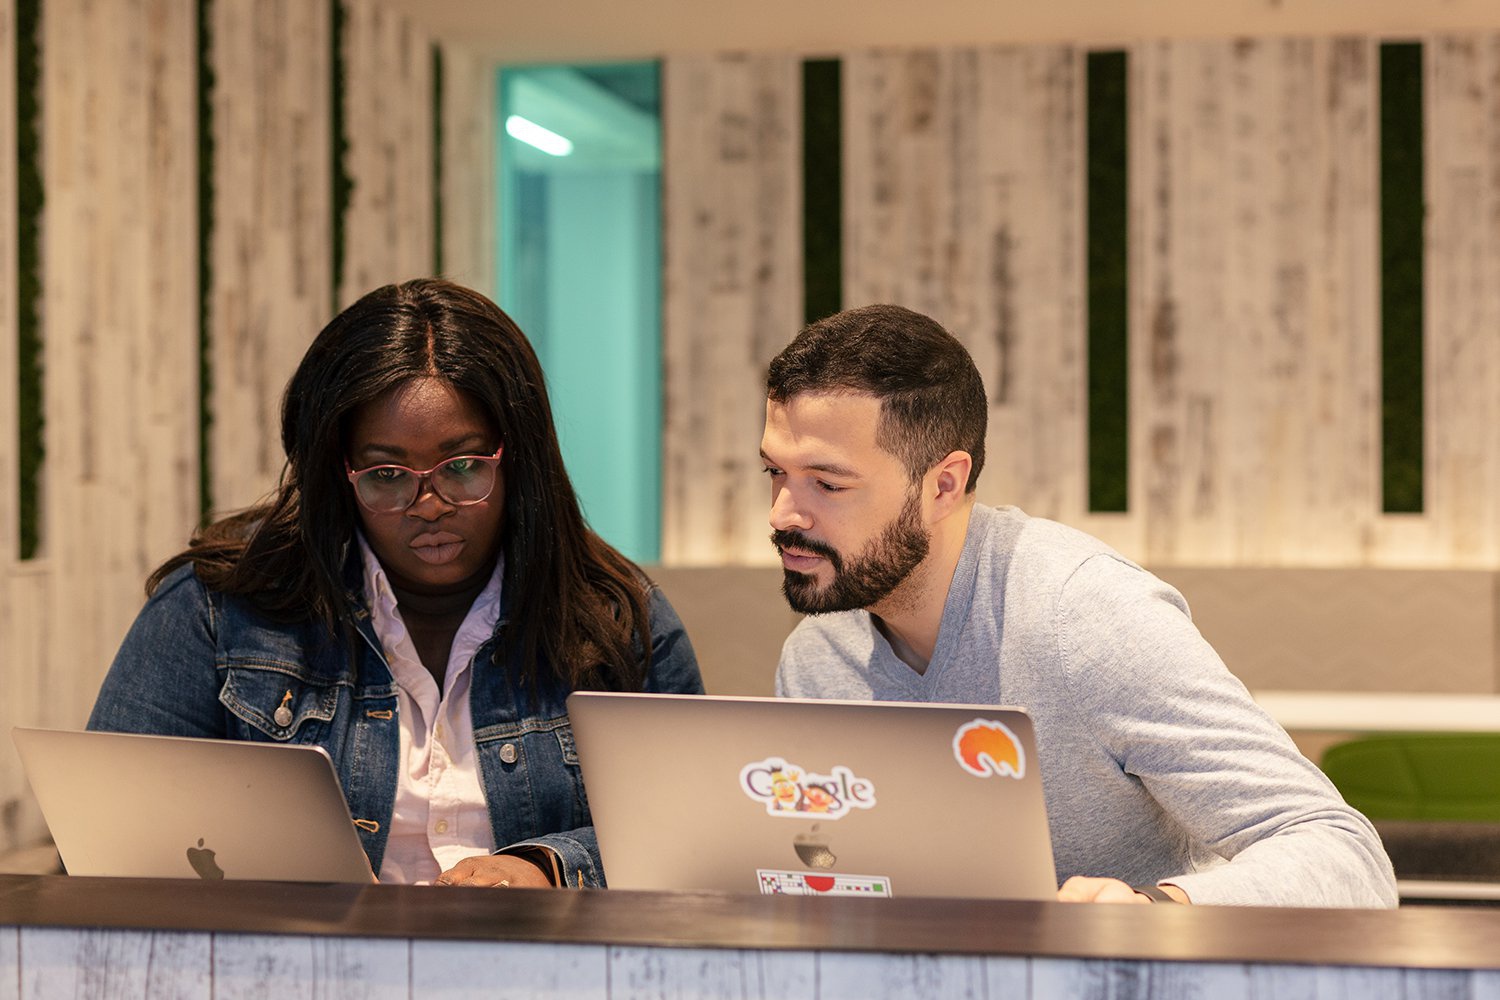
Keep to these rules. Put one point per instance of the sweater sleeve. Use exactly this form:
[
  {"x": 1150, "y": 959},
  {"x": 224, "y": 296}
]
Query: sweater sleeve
[{"x": 1165, "y": 708}]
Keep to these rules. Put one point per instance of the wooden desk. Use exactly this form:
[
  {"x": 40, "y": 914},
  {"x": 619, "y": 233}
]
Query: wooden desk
[
  {"x": 1381, "y": 711},
  {"x": 127, "y": 937}
]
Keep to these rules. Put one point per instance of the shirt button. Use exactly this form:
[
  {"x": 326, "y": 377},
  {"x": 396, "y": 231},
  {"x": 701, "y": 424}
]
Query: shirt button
[
  {"x": 442, "y": 826},
  {"x": 439, "y": 731},
  {"x": 508, "y": 753}
]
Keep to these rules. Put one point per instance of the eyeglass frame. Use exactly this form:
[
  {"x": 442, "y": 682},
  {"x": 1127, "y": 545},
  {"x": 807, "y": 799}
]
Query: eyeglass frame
[{"x": 353, "y": 475}]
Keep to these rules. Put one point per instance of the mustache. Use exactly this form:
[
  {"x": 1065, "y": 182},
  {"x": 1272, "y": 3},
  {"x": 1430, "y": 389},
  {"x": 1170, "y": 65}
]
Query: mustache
[{"x": 786, "y": 539}]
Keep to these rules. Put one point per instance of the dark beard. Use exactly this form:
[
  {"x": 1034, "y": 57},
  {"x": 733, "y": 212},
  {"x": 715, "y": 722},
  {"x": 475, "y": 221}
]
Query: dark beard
[{"x": 869, "y": 578}]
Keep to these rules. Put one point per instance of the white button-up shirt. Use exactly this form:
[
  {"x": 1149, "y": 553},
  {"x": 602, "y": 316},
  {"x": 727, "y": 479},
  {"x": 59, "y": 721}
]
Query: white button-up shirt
[{"x": 441, "y": 815}]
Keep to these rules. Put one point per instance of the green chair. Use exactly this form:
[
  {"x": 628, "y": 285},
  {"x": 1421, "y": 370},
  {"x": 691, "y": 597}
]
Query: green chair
[{"x": 1419, "y": 776}]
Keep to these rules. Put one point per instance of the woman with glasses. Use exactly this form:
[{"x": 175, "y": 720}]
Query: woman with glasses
[{"x": 417, "y": 597}]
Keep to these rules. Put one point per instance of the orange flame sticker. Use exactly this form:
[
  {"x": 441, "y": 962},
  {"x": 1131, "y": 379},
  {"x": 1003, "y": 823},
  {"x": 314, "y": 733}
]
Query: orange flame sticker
[{"x": 986, "y": 747}]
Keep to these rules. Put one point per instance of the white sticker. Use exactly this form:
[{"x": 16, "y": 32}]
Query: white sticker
[{"x": 788, "y": 790}]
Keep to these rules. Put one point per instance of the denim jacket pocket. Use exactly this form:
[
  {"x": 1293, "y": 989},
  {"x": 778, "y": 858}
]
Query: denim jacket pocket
[
  {"x": 278, "y": 705},
  {"x": 566, "y": 743},
  {"x": 545, "y": 751}
]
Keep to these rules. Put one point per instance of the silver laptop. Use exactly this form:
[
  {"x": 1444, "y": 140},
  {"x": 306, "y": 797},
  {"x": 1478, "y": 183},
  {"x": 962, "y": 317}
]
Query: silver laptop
[
  {"x": 171, "y": 807},
  {"x": 814, "y": 797}
]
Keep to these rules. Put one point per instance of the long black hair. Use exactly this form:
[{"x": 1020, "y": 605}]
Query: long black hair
[{"x": 577, "y": 607}]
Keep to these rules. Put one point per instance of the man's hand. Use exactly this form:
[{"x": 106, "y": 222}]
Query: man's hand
[
  {"x": 505, "y": 871},
  {"x": 1083, "y": 889}
]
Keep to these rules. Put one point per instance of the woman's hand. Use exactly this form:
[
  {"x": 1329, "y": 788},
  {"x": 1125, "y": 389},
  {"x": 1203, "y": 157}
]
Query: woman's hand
[{"x": 504, "y": 871}]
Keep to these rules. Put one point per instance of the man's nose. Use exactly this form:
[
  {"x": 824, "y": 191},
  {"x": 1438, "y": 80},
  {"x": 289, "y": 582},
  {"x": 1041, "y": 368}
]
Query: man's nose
[{"x": 786, "y": 513}]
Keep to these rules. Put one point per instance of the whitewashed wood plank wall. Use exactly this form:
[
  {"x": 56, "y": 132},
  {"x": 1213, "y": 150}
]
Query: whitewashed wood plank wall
[
  {"x": 1463, "y": 300},
  {"x": 732, "y": 212},
  {"x": 120, "y": 314},
  {"x": 1254, "y": 355},
  {"x": 388, "y": 115},
  {"x": 271, "y": 271},
  {"x": 1255, "y": 409},
  {"x": 120, "y": 365},
  {"x": 1254, "y": 370},
  {"x": 37, "y": 963},
  {"x": 470, "y": 114},
  {"x": 120, "y": 328}
]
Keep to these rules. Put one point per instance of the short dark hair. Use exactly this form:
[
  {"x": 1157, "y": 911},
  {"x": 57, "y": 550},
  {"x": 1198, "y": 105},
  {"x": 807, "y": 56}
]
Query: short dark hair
[
  {"x": 577, "y": 607},
  {"x": 932, "y": 399}
]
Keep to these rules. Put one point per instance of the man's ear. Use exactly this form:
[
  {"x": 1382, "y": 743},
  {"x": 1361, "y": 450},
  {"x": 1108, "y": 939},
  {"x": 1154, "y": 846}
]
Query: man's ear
[{"x": 950, "y": 478}]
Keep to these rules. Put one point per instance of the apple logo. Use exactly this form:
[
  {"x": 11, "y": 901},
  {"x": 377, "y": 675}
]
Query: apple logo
[
  {"x": 812, "y": 847},
  {"x": 202, "y": 860}
]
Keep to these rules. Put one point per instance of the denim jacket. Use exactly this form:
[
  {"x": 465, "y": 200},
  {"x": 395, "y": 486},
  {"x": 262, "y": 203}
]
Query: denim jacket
[{"x": 202, "y": 663}]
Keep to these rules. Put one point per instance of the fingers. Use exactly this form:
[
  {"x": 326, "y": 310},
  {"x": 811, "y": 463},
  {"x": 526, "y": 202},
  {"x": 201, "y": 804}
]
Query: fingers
[
  {"x": 498, "y": 871},
  {"x": 473, "y": 871},
  {"x": 1084, "y": 889}
]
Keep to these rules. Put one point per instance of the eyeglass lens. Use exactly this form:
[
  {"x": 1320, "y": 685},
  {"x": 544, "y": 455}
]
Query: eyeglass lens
[{"x": 391, "y": 488}]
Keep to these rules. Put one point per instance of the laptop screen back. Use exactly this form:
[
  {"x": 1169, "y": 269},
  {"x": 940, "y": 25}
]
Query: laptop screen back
[
  {"x": 781, "y": 795},
  {"x": 170, "y": 807}
]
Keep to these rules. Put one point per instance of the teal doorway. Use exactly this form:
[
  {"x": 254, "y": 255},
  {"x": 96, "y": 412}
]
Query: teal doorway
[{"x": 580, "y": 271}]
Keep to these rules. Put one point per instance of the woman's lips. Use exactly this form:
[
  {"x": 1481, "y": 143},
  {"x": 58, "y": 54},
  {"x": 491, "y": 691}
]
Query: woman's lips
[{"x": 437, "y": 547}]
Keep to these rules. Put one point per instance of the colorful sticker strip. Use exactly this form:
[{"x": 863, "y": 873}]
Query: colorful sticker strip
[{"x": 804, "y": 884}]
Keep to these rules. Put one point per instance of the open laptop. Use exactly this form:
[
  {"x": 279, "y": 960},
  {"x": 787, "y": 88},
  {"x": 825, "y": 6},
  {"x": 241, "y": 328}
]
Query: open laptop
[
  {"x": 779, "y": 795},
  {"x": 171, "y": 807}
]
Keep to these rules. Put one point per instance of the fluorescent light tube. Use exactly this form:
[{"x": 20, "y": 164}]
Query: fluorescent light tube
[{"x": 533, "y": 134}]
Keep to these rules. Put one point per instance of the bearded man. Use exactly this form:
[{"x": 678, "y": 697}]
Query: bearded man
[{"x": 1164, "y": 781}]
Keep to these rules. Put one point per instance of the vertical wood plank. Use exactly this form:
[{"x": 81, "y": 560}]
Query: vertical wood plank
[
  {"x": 121, "y": 316},
  {"x": 733, "y": 292},
  {"x": 17, "y": 703},
  {"x": 912, "y": 179},
  {"x": 470, "y": 112},
  {"x": 1462, "y": 469},
  {"x": 1120, "y": 980},
  {"x": 94, "y": 965},
  {"x": 1485, "y": 985},
  {"x": 1028, "y": 337},
  {"x": 389, "y": 114},
  {"x": 270, "y": 267},
  {"x": 1175, "y": 425},
  {"x": 10, "y": 963},
  {"x": 509, "y": 970},
  {"x": 27, "y": 686},
  {"x": 1440, "y": 984},
  {"x": 252, "y": 966},
  {"x": 1336, "y": 515},
  {"x": 868, "y": 976},
  {"x": 1007, "y": 976},
  {"x": 710, "y": 974},
  {"x": 1253, "y": 362}
]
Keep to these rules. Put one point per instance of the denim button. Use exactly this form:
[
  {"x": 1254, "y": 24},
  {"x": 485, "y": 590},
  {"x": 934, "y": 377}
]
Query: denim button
[
  {"x": 282, "y": 716},
  {"x": 508, "y": 753}
]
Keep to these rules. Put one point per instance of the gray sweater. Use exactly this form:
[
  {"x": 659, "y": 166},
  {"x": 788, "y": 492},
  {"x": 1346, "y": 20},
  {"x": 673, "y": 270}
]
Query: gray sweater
[{"x": 1156, "y": 764}]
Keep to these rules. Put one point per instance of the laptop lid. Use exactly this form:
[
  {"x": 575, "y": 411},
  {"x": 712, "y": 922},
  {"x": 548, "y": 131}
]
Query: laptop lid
[
  {"x": 172, "y": 807},
  {"x": 814, "y": 797}
]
